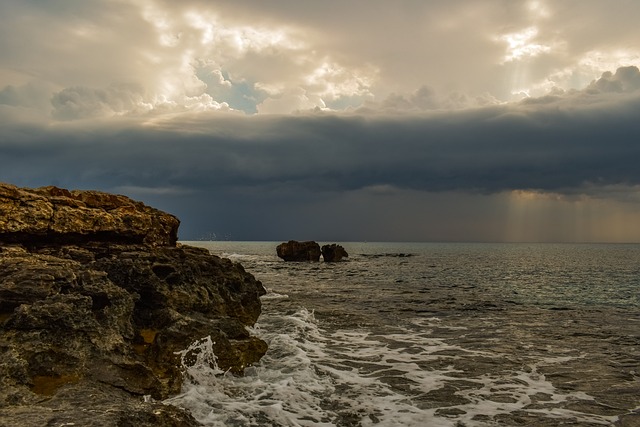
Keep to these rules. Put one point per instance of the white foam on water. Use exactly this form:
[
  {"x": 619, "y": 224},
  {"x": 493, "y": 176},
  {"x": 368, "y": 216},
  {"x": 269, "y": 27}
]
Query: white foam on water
[
  {"x": 272, "y": 295},
  {"x": 239, "y": 257},
  {"x": 517, "y": 391},
  {"x": 284, "y": 389},
  {"x": 312, "y": 377}
]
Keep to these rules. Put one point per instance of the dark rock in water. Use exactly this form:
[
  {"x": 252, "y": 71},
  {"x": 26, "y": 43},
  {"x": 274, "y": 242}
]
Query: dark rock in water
[
  {"x": 387, "y": 255},
  {"x": 298, "y": 251},
  {"x": 333, "y": 253},
  {"x": 96, "y": 299}
]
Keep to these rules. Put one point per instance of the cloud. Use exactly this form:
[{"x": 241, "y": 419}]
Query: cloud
[
  {"x": 472, "y": 174},
  {"x": 428, "y": 99},
  {"x": 560, "y": 145},
  {"x": 82, "y": 102},
  {"x": 286, "y": 108},
  {"x": 123, "y": 99},
  {"x": 283, "y": 57},
  {"x": 34, "y": 94},
  {"x": 294, "y": 100},
  {"x": 625, "y": 79}
]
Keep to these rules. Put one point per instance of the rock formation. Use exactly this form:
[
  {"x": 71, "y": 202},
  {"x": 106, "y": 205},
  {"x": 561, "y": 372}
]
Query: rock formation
[
  {"x": 298, "y": 251},
  {"x": 96, "y": 299},
  {"x": 333, "y": 253}
]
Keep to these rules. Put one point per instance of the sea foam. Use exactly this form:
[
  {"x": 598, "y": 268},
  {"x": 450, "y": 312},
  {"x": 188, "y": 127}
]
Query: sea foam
[{"x": 310, "y": 377}]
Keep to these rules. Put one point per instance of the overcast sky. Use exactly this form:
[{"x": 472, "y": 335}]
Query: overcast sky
[{"x": 420, "y": 120}]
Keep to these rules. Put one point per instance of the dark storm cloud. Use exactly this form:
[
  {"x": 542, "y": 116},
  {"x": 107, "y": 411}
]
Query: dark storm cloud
[
  {"x": 430, "y": 175},
  {"x": 138, "y": 97},
  {"x": 554, "y": 146}
]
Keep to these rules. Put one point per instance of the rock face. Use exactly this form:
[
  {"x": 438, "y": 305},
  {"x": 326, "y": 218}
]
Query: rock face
[
  {"x": 333, "y": 253},
  {"x": 96, "y": 299},
  {"x": 298, "y": 251},
  {"x": 310, "y": 251},
  {"x": 51, "y": 215}
]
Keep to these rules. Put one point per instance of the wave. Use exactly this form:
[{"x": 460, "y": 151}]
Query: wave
[{"x": 312, "y": 377}]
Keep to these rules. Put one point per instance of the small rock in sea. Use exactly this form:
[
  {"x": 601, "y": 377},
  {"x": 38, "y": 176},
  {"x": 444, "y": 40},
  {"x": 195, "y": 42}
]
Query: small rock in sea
[
  {"x": 333, "y": 253},
  {"x": 299, "y": 251}
]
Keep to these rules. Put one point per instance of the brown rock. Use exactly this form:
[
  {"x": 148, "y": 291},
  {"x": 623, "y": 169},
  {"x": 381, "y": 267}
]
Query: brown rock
[
  {"x": 333, "y": 253},
  {"x": 57, "y": 216},
  {"x": 298, "y": 251},
  {"x": 91, "y": 318}
]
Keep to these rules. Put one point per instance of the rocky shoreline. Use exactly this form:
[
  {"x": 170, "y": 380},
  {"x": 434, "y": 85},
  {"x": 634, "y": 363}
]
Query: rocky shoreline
[{"x": 97, "y": 299}]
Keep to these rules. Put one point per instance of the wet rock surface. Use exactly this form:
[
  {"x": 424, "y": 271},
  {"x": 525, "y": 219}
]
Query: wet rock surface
[
  {"x": 96, "y": 299},
  {"x": 295, "y": 251},
  {"x": 333, "y": 253}
]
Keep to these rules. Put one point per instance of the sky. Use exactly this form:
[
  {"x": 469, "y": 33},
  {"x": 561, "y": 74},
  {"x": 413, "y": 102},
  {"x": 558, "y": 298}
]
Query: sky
[{"x": 361, "y": 120}]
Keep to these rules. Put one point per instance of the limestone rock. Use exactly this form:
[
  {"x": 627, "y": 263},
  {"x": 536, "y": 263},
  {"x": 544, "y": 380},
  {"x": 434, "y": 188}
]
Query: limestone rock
[
  {"x": 298, "y": 251},
  {"x": 333, "y": 253},
  {"x": 96, "y": 298},
  {"x": 57, "y": 216}
]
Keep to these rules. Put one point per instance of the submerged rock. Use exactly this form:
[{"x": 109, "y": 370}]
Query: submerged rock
[
  {"x": 96, "y": 299},
  {"x": 299, "y": 251},
  {"x": 333, "y": 253}
]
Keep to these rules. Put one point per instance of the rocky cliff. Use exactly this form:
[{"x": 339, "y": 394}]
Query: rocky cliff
[{"x": 96, "y": 299}]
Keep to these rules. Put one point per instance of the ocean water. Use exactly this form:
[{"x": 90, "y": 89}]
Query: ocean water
[{"x": 434, "y": 335}]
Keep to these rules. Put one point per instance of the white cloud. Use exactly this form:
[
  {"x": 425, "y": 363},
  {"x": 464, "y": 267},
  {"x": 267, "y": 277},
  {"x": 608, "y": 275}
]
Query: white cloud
[
  {"x": 290, "y": 101},
  {"x": 625, "y": 79},
  {"x": 279, "y": 56},
  {"x": 427, "y": 99},
  {"x": 83, "y": 102},
  {"x": 333, "y": 81},
  {"x": 522, "y": 45}
]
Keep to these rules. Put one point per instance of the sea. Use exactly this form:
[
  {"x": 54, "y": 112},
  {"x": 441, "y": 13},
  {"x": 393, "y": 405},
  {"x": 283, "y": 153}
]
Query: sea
[{"x": 434, "y": 334}]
